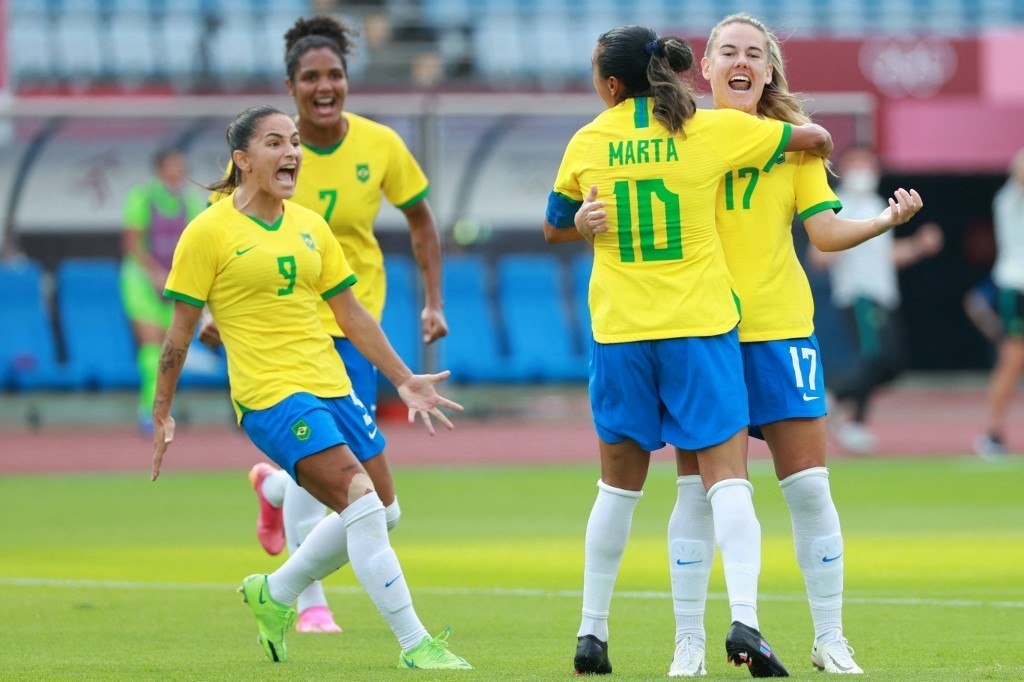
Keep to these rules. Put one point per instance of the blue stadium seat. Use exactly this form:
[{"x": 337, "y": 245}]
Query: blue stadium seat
[
  {"x": 581, "y": 267},
  {"x": 471, "y": 350},
  {"x": 28, "y": 356},
  {"x": 132, "y": 46},
  {"x": 530, "y": 294},
  {"x": 80, "y": 47},
  {"x": 31, "y": 51},
  {"x": 401, "y": 312},
  {"x": 180, "y": 36},
  {"x": 96, "y": 333}
]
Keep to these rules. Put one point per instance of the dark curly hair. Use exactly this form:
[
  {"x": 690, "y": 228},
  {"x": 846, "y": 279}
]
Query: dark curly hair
[{"x": 319, "y": 31}]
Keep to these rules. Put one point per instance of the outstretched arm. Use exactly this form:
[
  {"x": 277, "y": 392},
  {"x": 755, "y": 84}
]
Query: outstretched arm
[
  {"x": 426, "y": 247},
  {"x": 172, "y": 359},
  {"x": 416, "y": 390},
  {"x": 828, "y": 232}
]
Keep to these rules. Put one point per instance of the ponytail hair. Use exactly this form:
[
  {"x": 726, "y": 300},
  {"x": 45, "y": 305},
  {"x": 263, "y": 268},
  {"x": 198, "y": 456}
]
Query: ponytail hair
[
  {"x": 776, "y": 102},
  {"x": 649, "y": 66},
  {"x": 240, "y": 133},
  {"x": 319, "y": 31}
]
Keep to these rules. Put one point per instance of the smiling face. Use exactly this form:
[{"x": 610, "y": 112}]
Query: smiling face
[
  {"x": 738, "y": 67},
  {"x": 271, "y": 161},
  {"x": 319, "y": 87}
]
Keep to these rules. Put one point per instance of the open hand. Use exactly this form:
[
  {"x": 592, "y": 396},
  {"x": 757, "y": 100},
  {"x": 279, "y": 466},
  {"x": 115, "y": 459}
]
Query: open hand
[
  {"x": 163, "y": 434},
  {"x": 419, "y": 395},
  {"x": 903, "y": 206}
]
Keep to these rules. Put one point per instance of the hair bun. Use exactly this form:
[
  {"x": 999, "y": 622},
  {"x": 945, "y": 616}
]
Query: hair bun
[
  {"x": 327, "y": 27},
  {"x": 678, "y": 52}
]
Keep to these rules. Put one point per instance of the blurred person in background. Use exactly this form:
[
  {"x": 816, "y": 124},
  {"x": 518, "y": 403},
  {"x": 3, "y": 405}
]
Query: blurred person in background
[
  {"x": 671, "y": 370},
  {"x": 865, "y": 289},
  {"x": 1008, "y": 276},
  {"x": 350, "y": 163},
  {"x": 155, "y": 214},
  {"x": 263, "y": 265}
]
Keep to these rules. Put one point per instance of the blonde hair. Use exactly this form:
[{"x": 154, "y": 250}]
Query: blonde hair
[{"x": 776, "y": 101}]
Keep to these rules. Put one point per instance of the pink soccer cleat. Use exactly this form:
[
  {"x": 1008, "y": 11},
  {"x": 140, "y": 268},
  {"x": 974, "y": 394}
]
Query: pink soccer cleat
[
  {"x": 270, "y": 522},
  {"x": 317, "y": 619}
]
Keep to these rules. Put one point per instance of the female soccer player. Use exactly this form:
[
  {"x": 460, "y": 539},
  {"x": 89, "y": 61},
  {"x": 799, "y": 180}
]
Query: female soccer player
[
  {"x": 666, "y": 363},
  {"x": 350, "y": 162},
  {"x": 155, "y": 213},
  {"x": 262, "y": 264},
  {"x": 782, "y": 368}
]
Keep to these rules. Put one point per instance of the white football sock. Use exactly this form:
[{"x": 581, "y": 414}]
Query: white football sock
[
  {"x": 322, "y": 553},
  {"x": 378, "y": 571},
  {"x": 691, "y": 552},
  {"x": 607, "y": 533},
  {"x": 274, "y": 487},
  {"x": 739, "y": 537},
  {"x": 302, "y": 512},
  {"x": 819, "y": 545}
]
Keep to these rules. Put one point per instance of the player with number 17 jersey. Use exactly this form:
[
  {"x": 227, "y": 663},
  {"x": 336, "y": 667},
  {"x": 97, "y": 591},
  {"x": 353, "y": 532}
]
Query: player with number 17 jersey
[{"x": 660, "y": 272}]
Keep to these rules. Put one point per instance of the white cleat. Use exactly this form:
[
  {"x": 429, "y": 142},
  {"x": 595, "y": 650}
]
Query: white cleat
[
  {"x": 835, "y": 656},
  {"x": 688, "y": 660},
  {"x": 856, "y": 438}
]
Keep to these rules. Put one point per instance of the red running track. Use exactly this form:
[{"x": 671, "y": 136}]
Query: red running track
[{"x": 906, "y": 423}]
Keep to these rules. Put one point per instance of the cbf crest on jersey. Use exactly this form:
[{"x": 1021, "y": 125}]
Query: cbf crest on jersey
[
  {"x": 309, "y": 241},
  {"x": 362, "y": 172}
]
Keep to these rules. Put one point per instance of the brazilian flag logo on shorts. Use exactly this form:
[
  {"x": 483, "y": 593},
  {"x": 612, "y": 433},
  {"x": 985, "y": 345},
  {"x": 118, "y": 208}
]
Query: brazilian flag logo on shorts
[
  {"x": 362, "y": 172},
  {"x": 301, "y": 430}
]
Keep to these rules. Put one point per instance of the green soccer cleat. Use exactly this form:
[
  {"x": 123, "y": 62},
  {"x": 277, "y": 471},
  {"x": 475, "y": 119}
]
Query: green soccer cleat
[
  {"x": 432, "y": 654},
  {"x": 275, "y": 620}
]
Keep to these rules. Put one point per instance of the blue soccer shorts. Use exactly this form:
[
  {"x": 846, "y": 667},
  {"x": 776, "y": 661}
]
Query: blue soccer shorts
[
  {"x": 784, "y": 380},
  {"x": 303, "y": 424},
  {"x": 361, "y": 371},
  {"x": 687, "y": 392}
]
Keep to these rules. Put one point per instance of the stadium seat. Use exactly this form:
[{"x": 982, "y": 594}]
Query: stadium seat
[
  {"x": 31, "y": 50},
  {"x": 530, "y": 294},
  {"x": 180, "y": 40},
  {"x": 132, "y": 45},
  {"x": 28, "y": 356},
  {"x": 232, "y": 51},
  {"x": 471, "y": 350},
  {"x": 96, "y": 333},
  {"x": 401, "y": 312},
  {"x": 581, "y": 267},
  {"x": 79, "y": 47}
]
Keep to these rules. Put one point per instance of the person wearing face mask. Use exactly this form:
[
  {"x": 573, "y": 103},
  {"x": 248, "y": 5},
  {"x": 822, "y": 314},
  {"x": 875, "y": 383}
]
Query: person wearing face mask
[
  {"x": 155, "y": 213},
  {"x": 1008, "y": 275},
  {"x": 866, "y": 291},
  {"x": 262, "y": 265},
  {"x": 351, "y": 162}
]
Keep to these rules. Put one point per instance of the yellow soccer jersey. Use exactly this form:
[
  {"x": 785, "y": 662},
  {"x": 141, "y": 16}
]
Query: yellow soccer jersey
[
  {"x": 344, "y": 184},
  {"x": 755, "y": 215},
  {"x": 659, "y": 271},
  {"x": 263, "y": 284}
]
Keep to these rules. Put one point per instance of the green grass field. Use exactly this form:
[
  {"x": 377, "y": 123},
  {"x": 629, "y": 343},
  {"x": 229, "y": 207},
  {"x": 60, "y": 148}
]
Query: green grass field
[{"x": 110, "y": 576}]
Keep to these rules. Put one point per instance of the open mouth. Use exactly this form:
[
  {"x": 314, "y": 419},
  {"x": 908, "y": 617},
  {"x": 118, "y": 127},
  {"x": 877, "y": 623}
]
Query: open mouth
[
  {"x": 324, "y": 105},
  {"x": 739, "y": 83},
  {"x": 286, "y": 174}
]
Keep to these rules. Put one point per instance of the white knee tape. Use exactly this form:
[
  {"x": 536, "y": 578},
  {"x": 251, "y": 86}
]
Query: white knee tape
[{"x": 392, "y": 513}]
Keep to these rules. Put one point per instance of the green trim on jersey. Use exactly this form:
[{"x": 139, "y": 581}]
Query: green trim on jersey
[
  {"x": 787, "y": 132},
  {"x": 242, "y": 408},
  {"x": 417, "y": 198},
  {"x": 739, "y": 304},
  {"x": 168, "y": 293},
  {"x": 818, "y": 208},
  {"x": 640, "y": 117},
  {"x": 340, "y": 287},
  {"x": 324, "y": 151},
  {"x": 269, "y": 228}
]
